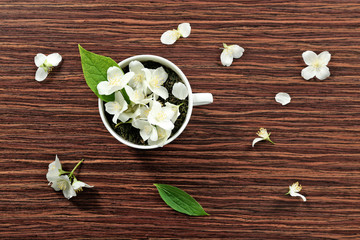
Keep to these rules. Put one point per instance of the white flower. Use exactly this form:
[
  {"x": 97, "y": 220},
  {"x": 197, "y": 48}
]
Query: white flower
[
  {"x": 54, "y": 170},
  {"x": 161, "y": 116},
  {"x": 263, "y": 135},
  {"x": 294, "y": 191},
  {"x": 155, "y": 79},
  {"x": 147, "y": 131},
  {"x": 163, "y": 135},
  {"x": 138, "y": 82},
  {"x": 132, "y": 112},
  {"x": 169, "y": 37},
  {"x": 180, "y": 91},
  {"x": 63, "y": 183},
  {"x": 45, "y": 64},
  {"x": 116, "y": 80},
  {"x": 282, "y": 98},
  {"x": 78, "y": 185},
  {"x": 316, "y": 65},
  {"x": 229, "y": 53},
  {"x": 137, "y": 96},
  {"x": 116, "y": 107},
  {"x": 175, "y": 109},
  {"x": 144, "y": 112}
]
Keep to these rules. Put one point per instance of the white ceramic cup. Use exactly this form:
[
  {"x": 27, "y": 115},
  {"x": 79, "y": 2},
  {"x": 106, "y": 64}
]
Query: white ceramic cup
[{"x": 195, "y": 99}]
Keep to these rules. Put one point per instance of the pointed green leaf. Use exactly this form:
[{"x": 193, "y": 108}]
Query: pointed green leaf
[
  {"x": 95, "y": 70},
  {"x": 179, "y": 200}
]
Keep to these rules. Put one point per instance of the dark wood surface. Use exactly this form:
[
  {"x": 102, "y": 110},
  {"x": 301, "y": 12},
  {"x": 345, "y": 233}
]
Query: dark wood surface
[{"x": 242, "y": 188}]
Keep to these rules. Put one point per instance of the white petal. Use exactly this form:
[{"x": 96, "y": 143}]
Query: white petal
[
  {"x": 114, "y": 73},
  {"x": 324, "y": 57},
  {"x": 136, "y": 66},
  {"x": 161, "y": 75},
  {"x": 124, "y": 117},
  {"x": 79, "y": 184},
  {"x": 162, "y": 92},
  {"x": 120, "y": 99},
  {"x": 169, "y": 37},
  {"x": 154, "y": 134},
  {"x": 55, "y": 186},
  {"x": 298, "y": 195},
  {"x": 309, "y": 57},
  {"x": 282, "y": 98},
  {"x": 308, "y": 72},
  {"x": 256, "y": 140},
  {"x": 54, "y": 59},
  {"x": 69, "y": 192},
  {"x": 236, "y": 51},
  {"x": 104, "y": 88},
  {"x": 145, "y": 134},
  {"x": 175, "y": 110},
  {"x": 167, "y": 125},
  {"x": 112, "y": 107},
  {"x": 163, "y": 135},
  {"x": 226, "y": 57},
  {"x": 53, "y": 170},
  {"x": 323, "y": 73},
  {"x": 130, "y": 92},
  {"x": 39, "y": 59},
  {"x": 40, "y": 74},
  {"x": 126, "y": 78},
  {"x": 147, "y": 73},
  {"x": 184, "y": 29},
  {"x": 180, "y": 91}
]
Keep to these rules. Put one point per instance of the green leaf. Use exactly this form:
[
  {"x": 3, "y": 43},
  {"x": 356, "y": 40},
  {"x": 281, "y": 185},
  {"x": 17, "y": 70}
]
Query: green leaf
[
  {"x": 179, "y": 200},
  {"x": 95, "y": 70}
]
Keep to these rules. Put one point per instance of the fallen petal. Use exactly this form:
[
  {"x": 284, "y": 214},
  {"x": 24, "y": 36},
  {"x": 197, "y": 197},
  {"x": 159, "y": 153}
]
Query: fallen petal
[
  {"x": 236, "y": 50},
  {"x": 256, "y": 140},
  {"x": 309, "y": 57},
  {"x": 180, "y": 91},
  {"x": 308, "y": 72},
  {"x": 282, "y": 98},
  {"x": 54, "y": 59},
  {"x": 323, "y": 73},
  {"x": 184, "y": 29},
  {"x": 39, "y": 59},
  {"x": 169, "y": 37},
  {"x": 40, "y": 74},
  {"x": 324, "y": 57},
  {"x": 226, "y": 57}
]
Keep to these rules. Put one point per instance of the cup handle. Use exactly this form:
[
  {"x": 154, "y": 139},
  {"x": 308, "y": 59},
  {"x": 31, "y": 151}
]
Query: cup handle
[{"x": 202, "y": 99}]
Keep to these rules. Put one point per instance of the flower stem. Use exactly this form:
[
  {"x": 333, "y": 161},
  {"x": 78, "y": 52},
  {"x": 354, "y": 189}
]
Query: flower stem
[
  {"x": 61, "y": 172},
  {"x": 78, "y": 164},
  {"x": 123, "y": 123},
  {"x": 270, "y": 140}
]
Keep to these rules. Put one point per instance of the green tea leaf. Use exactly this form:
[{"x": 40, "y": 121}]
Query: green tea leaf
[
  {"x": 179, "y": 200},
  {"x": 95, "y": 70}
]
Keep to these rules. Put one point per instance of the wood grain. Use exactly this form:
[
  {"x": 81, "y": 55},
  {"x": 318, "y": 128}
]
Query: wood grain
[{"x": 243, "y": 188}]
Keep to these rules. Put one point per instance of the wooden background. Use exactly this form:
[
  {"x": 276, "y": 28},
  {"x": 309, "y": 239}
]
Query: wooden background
[{"x": 243, "y": 188}]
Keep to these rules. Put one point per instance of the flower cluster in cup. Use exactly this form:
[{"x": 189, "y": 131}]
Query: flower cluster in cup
[{"x": 141, "y": 100}]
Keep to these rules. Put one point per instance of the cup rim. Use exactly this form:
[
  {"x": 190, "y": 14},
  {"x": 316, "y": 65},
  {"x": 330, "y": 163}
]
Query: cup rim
[{"x": 167, "y": 63}]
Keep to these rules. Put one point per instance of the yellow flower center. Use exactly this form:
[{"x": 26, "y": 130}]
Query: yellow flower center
[
  {"x": 62, "y": 185},
  {"x": 263, "y": 133},
  {"x": 161, "y": 116},
  {"x": 316, "y": 64},
  {"x": 297, "y": 187},
  {"x": 155, "y": 82},
  {"x": 161, "y": 134}
]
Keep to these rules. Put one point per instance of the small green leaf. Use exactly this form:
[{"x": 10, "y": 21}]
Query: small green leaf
[
  {"x": 179, "y": 200},
  {"x": 95, "y": 70}
]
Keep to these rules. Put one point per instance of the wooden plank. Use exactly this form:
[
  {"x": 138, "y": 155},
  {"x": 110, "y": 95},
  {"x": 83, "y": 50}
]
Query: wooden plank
[{"x": 242, "y": 188}]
